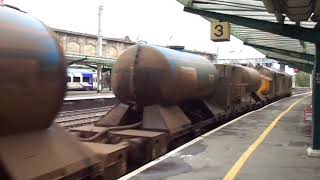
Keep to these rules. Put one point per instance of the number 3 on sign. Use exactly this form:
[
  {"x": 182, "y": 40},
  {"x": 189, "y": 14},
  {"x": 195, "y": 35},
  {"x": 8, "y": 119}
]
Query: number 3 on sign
[{"x": 220, "y": 31}]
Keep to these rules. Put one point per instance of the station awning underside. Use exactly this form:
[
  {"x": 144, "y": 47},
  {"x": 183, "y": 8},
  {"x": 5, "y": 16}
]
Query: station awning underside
[
  {"x": 275, "y": 36},
  {"x": 89, "y": 60}
]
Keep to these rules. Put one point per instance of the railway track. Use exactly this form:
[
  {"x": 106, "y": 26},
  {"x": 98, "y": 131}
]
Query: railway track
[
  {"x": 76, "y": 118},
  {"x": 82, "y": 117},
  {"x": 300, "y": 90}
]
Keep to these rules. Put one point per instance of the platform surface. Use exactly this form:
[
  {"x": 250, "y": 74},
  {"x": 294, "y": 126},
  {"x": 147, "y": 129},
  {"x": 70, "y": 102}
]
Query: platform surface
[
  {"x": 282, "y": 154},
  {"x": 83, "y": 95}
]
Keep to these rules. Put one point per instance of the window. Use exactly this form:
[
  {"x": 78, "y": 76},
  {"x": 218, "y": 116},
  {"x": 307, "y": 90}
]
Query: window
[
  {"x": 69, "y": 79},
  {"x": 86, "y": 79},
  {"x": 76, "y": 79},
  {"x": 73, "y": 47},
  {"x": 89, "y": 49}
]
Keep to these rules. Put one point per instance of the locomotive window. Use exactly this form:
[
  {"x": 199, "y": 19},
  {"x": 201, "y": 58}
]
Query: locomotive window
[
  {"x": 69, "y": 79},
  {"x": 76, "y": 79},
  {"x": 86, "y": 79}
]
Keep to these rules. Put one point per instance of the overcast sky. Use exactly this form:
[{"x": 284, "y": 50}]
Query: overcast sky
[{"x": 160, "y": 22}]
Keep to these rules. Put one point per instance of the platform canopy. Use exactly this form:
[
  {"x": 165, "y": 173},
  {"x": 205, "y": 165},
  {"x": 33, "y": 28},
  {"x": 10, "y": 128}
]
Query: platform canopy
[
  {"x": 280, "y": 29},
  {"x": 89, "y": 60}
]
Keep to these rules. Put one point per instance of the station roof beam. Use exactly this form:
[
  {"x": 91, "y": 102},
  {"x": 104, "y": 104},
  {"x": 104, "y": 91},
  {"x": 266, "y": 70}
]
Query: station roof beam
[
  {"x": 294, "y": 54},
  {"x": 266, "y": 24}
]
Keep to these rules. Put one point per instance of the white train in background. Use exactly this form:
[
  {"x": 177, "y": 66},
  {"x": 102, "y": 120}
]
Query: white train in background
[{"x": 81, "y": 79}]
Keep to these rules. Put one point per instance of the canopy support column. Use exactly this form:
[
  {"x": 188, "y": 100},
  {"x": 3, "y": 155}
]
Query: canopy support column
[
  {"x": 99, "y": 78},
  {"x": 110, "y": 86},
  {"x": 314, "y": 150},
  {"x": 294, "y": 81},
  {"x": 310, "y": 80}
]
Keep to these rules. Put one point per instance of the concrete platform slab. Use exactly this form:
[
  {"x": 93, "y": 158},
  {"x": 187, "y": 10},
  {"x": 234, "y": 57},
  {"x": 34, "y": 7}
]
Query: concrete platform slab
[
  {"x": 87, "y": 95},
  {"x": 282, "y": 154}
]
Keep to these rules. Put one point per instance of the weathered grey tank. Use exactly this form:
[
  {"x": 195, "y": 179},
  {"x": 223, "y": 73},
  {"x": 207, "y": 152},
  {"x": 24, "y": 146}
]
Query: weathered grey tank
[{"x": 155, "y": 75}]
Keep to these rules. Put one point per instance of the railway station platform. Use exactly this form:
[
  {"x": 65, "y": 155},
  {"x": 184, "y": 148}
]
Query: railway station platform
[
  {"x": 78, "y": 100},
  {"x": 270, "y": 143},
  {"x": 84, "y": 95}
]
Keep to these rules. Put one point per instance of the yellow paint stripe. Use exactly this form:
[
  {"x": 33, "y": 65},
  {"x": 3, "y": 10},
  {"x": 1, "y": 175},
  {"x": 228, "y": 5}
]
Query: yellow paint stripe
[{"x": 245, "y": 156}]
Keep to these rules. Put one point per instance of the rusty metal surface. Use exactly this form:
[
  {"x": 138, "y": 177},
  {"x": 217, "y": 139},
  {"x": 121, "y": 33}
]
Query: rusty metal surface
[
  {"x": 143, "y": 145},
  {"x": 138, "y": 133},
  {"x": 88, "y": 128},
  {"x": 32, "y": 71},
  {"x": 280, "y": 83},
  {"x": 155, "y": 75},
  {"x": 46, "y": 154},
  {"x": 235, "y": 82},
  {"x": 105, "y": 149},
  {"x": 251, "y": 77},
  {"x": 114, "y": 117},
  {"x": 236, "y": 74},
  {"x": 164, "y": 118},
  {"x": 113, "y": 158}
]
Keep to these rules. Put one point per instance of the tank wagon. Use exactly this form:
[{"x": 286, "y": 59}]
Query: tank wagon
[
  {"x": 167, "y": 97},
  {"x": 275, "y": 84},
  {"x": 33, "y": 77},
  {"x": 151, "y": 75}
]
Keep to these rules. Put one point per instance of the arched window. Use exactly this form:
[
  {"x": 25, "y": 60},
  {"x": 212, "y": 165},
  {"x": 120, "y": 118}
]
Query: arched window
[
  {"x": 73, "y": 47},
  {"x": 89, "y": 49},
  {"x": 112, "y": 51}
]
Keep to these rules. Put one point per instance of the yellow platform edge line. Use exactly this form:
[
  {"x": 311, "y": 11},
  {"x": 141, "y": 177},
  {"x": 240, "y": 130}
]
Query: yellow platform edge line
[{"x": 232, "y": 173}]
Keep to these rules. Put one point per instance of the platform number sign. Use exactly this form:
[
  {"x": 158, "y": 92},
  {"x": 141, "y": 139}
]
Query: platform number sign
[{"x": 220, "y": 31}]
